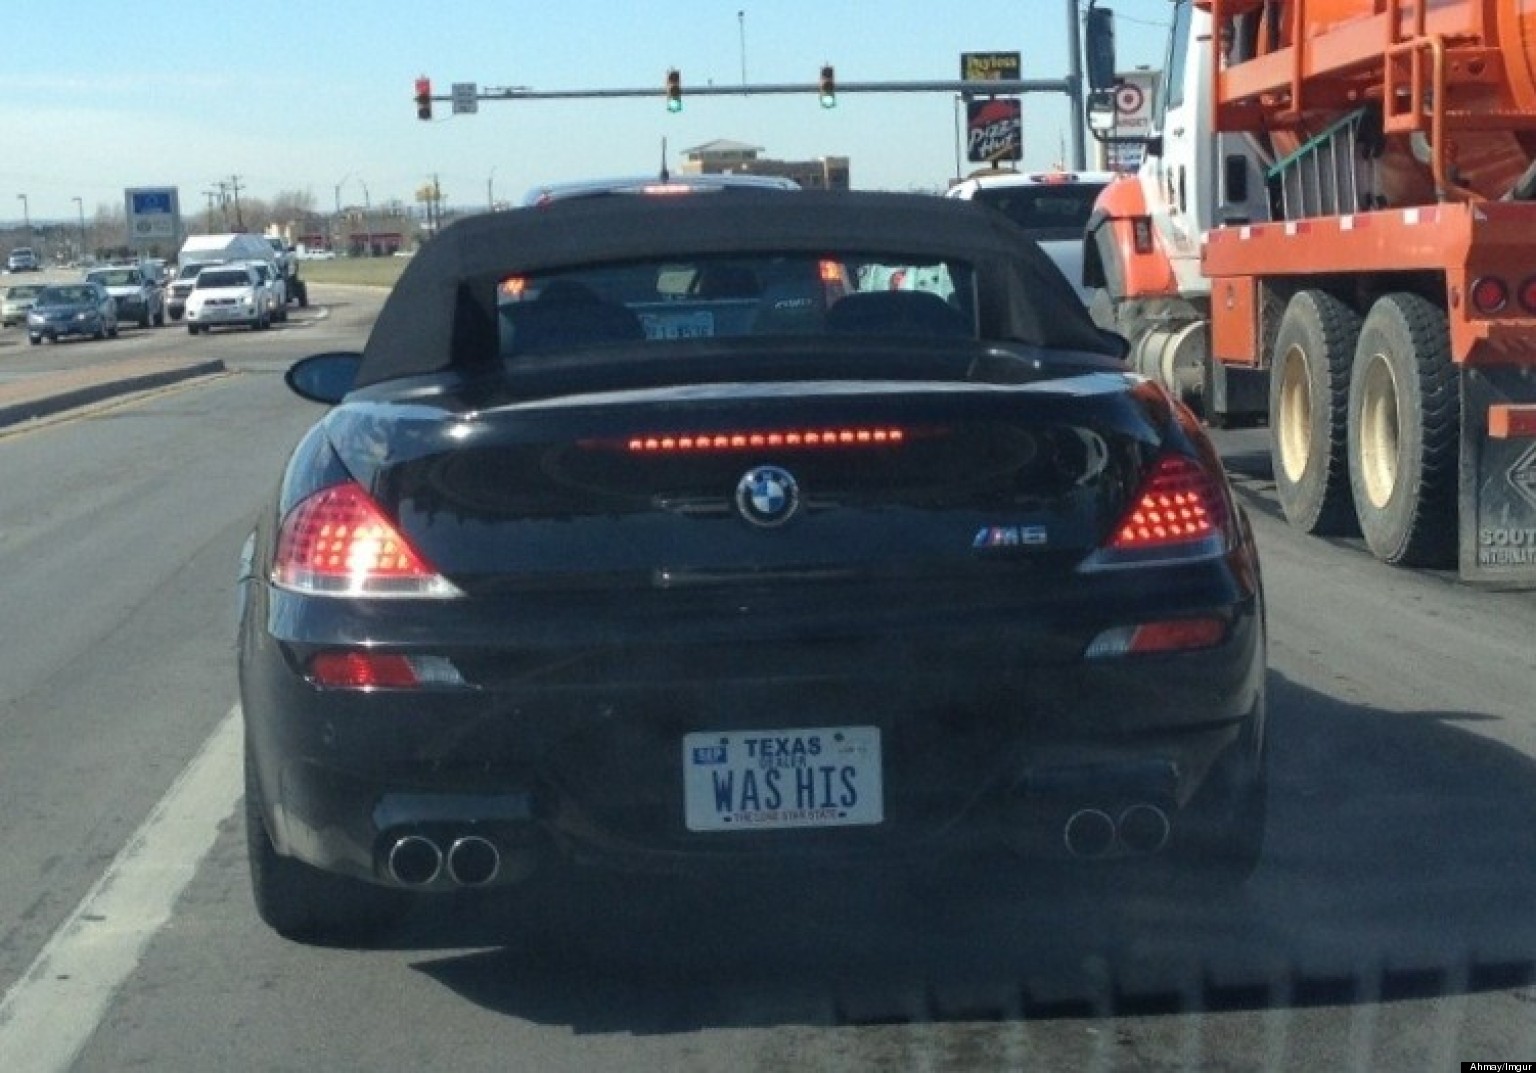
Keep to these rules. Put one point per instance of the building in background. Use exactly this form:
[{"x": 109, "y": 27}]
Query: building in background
[{"x": 723, "y": 157}]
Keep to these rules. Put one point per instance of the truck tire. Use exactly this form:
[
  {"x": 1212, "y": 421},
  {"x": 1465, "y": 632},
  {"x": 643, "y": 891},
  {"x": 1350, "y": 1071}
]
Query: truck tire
[
  {"x": 1405, "y": 432},
  {"x": 303, "y": 292},
  {"x": 1308, "y": 406}
]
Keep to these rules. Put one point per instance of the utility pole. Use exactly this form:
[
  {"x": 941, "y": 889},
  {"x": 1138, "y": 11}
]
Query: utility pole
[{"x": 234, "y": 185}]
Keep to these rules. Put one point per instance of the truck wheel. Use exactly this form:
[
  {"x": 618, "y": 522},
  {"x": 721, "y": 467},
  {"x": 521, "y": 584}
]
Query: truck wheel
[
  {"x": 1404, "y": 432},
  {"x": 303, "y": 296},
  {"x": 1308, "y": 404}
]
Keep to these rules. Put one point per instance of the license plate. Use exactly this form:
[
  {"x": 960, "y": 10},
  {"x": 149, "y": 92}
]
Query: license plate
[
  {"x": 700, "y": 325},
  {"x": 759, "y": 780}
]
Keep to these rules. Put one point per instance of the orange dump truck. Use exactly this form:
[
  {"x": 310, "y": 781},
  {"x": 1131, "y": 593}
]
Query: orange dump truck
[{"x": 1334, "y": 232}]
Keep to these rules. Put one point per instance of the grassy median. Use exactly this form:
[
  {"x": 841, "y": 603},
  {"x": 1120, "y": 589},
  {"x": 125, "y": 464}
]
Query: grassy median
[{"x": 363, "y": 271}]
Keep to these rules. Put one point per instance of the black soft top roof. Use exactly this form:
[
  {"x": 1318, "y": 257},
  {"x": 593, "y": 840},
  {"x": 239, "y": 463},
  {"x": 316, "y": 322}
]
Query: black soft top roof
[{"x": 442, "y": 312}]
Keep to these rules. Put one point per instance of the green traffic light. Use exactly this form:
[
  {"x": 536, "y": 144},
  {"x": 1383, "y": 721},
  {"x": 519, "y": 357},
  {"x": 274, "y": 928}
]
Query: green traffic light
[
  {"x": 829, "y": 100},
  {"x": 674, "y": 104}
]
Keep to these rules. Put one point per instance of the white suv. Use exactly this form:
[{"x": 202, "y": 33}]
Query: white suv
[
  {"x": 227, "y": 294},
  {"x": 1053, "y": 206}
]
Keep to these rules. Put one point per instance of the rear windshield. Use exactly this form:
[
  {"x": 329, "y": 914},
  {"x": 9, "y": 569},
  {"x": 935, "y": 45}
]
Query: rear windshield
[
  {"x": 722, "y": 297},
  {"x": 210, "y": 277},
  {"x": 57, "y": 296},
  {"x": 119, "y": 277},
  {"x": 1046, "y": 211}
]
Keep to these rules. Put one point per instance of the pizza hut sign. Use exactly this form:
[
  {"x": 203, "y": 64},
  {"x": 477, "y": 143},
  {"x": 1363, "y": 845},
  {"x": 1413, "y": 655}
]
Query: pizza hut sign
[{"x": 994, "y": 130}]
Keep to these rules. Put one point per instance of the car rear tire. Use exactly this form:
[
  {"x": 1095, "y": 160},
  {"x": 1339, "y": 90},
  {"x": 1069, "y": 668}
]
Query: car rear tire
[
  {"x": 144, "y": 319},
  {"x": 191, "y": 329},
  {"x": 1404, "y": 433},
  {"x": 160, "y": 319},
  {"x": 34, "y": 340},
  {"x": 1308, "y": 406},
  {"x": 301, "y": 902}
]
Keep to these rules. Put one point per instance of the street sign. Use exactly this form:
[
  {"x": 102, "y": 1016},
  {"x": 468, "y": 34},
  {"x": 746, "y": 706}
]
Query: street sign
[
  {"x": 465, "y": 98},
  {"x": 153, "y": 216}
]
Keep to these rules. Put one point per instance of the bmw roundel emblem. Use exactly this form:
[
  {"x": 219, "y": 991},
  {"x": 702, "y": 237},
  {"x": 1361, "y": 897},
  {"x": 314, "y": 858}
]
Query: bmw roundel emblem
[{"x": 767, "y": 496}]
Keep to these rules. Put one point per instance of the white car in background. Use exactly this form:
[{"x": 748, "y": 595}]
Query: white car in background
[
  {"x": 1053, "y": 206},
  {"x": 227, "y": 294},
  {"x": 276, "y": 287}
]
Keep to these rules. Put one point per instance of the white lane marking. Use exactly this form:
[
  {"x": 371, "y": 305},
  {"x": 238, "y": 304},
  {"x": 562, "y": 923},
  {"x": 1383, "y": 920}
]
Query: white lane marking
[{"x": 50, "y": 1012}]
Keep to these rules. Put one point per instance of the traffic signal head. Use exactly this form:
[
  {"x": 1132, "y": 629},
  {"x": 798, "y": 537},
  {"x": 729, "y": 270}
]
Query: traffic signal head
[
  {"x": 828, "y": 87},
  {"x": 423, "y": 98},
  {"x": 674, "y": 91}
]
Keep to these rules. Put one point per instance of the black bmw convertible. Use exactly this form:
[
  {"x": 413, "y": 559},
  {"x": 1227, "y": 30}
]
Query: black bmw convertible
[{"x": 732, "y": 530}]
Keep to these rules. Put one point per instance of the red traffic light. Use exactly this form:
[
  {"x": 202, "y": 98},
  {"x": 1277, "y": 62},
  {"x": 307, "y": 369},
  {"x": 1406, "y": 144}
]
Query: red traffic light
[
  {"x": 423, "y": 98},
  {"x": 674, "y": 90}
]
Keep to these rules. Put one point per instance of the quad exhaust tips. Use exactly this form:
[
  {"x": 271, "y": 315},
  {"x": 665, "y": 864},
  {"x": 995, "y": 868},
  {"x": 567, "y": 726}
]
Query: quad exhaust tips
[
  {"x": 417, "y": 861},
  {"x": 1140, "y": 828}
]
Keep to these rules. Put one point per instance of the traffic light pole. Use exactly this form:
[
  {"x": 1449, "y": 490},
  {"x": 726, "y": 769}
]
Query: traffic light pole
[
  {"x": 973, "y": 87},
  {"x": 1071, "y": 86}
]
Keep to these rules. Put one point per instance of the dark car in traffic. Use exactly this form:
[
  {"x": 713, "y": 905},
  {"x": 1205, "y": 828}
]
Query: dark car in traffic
[
  {"x": 65, "y": 309},
  {"x": 659, "y": 533}
]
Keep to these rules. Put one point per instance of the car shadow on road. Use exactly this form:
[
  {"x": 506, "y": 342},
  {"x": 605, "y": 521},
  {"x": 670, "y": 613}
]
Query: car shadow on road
[{"x": 1401, "y": 864}]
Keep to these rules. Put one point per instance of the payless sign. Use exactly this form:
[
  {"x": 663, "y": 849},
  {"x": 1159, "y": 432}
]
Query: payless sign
[
  {"x": 994, "y": 125},
  {"x": 990, "y": 66}
]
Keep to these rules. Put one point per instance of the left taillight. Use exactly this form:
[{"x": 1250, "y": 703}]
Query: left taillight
[{"x": 338, "y": 542}]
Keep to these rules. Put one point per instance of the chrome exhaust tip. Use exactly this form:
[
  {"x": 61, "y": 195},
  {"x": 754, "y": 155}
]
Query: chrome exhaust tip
[
  {"x": 1089, "y": 832},
  {"x": 415, "y": 861},
  {"x": 1143, "y": 828},
  {"x": 473, "y": 861}
]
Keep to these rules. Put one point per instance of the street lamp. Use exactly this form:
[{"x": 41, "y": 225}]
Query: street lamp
[
  {"x": 80, "y": 205},
  {"x": 26, "y": 215},
  {"x": 367, "y": 223}
]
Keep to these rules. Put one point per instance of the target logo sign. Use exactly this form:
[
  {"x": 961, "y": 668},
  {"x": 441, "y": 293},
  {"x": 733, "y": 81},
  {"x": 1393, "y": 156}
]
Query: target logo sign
[{"x": 1133, "y": 102}]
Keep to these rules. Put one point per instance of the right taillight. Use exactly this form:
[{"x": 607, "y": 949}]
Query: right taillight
[
  {"x": 339, "y": 542},
  {"x": 1527, "y": 294},
  {"x": 1178, "y": 513},
  {"x": 1178, "y": 503}
]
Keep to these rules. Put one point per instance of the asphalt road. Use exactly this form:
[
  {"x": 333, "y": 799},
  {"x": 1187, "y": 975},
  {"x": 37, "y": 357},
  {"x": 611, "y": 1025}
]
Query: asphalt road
[{"x": 1391, "y": 926}]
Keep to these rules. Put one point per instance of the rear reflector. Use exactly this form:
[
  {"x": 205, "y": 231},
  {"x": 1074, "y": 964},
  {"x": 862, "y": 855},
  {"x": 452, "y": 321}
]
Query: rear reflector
[
  {"x": 339, "y": 543},
  {"x": 1149, "y": 638},
  {"x": 361, "y": 669}
]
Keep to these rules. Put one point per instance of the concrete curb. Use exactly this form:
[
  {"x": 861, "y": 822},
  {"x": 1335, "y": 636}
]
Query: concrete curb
[{"x": 67, "y": 392}]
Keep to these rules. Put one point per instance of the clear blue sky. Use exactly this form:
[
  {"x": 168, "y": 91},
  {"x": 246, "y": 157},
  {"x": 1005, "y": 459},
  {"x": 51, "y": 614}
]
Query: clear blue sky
[{"x": 309, "y": 95}]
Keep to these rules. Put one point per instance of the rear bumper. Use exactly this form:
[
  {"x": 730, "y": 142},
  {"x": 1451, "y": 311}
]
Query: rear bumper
[{"x": 977, "y": 751}]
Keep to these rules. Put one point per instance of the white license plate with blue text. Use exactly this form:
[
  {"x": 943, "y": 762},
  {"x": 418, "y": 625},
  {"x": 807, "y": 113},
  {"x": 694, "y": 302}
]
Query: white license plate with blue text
[
  {"x": 698, "y": 325},
  {"x": 756, "y": 780}
]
